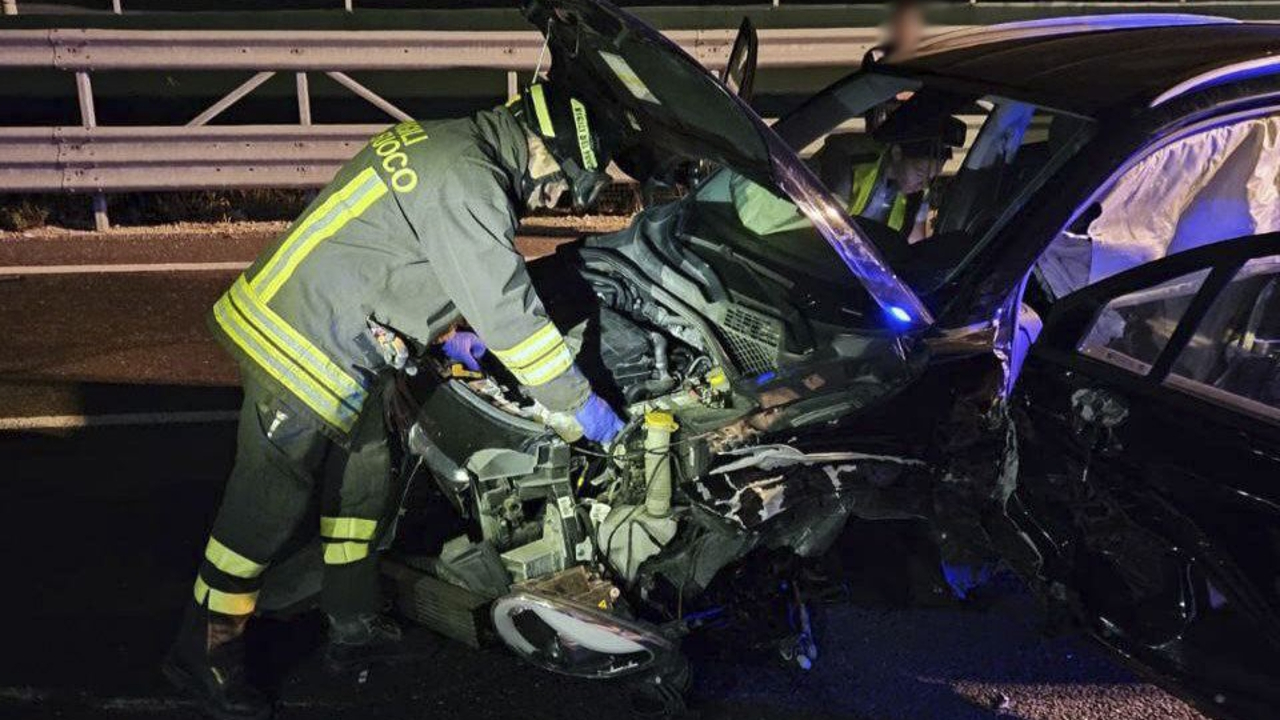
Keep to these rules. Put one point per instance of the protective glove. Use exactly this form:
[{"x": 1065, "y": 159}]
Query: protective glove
[
  {"x": 599, "y": 422},
  {"x": 466, "y": 348}
]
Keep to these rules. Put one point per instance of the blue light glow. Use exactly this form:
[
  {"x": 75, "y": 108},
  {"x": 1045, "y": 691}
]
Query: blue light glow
[
  {"x": 1118, "y": 21},
  {"x": 1238, "y": 72},
  {"x": 765, "y": 377},
  {"x": 899, "y": 314}
]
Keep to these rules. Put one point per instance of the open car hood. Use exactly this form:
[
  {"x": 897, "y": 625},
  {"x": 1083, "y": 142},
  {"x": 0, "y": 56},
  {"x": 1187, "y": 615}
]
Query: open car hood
[{"x": 668, "y": 108}]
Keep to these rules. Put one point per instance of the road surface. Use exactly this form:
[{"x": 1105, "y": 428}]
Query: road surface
[{"x": 115, "y": 409}]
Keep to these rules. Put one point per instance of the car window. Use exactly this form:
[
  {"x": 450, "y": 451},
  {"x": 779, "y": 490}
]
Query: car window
[
  {"x": 1234, "y": 356},
  {"x": 911, "y": 162},
  {"x": 1133, "y": 329},
  {"x": 1215, "y": 184}
]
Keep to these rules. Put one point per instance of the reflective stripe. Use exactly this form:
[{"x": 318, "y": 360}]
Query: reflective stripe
[
  {"x": 898, "y": 215},
  {"x": 281, "y": 367},
  {"x": 301, "y": 351},
  {"x": 547, "y": 369},
  {"x": 541, "y": 111},
  {"x": 347, "y": 203},
  {"x": 341, "y": 553},
  {"x": 583, "y": 127},
  {"x": 224, "y": 602},
  {"x": 865, "y": 176},
  {"x": 231, "y": 562},
  {"x": 538, "y": 358},
  {"x": 531, "y": 348},
  {"x": 348, "y": 528}
]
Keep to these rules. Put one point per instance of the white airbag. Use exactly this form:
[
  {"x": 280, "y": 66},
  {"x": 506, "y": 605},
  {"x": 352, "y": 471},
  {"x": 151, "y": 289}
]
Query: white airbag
[{"x": 1214, "y": 186}]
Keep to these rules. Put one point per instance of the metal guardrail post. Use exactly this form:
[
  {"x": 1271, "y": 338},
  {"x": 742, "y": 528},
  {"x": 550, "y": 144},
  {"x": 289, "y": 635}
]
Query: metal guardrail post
[
  {"x": 304, "y": 99},
  {"x": 116, "y": 8},
  {"x": 374, "y": 98},
  {"x": 231, "y": 98},
  {"x": 89, "y": 118},
  {"x": 10, "y": 7}
]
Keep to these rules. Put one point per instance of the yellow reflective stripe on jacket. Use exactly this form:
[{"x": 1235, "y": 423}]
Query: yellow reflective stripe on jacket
[
  {"x": 231, "y": 562},
  {"x": 525, "y": 352},
  {"x": 864, "y": 182},
  {"x": 348, "y": 528},
  {"x": 541, "y": 111},
  {"x": 547, "y": 369},
  {"x": 303, "y": 352},
  {"x": 225, "y": 602},
  {"x": 538, "y": 358},
  {"x": 865, "y": 177},
  {"x": 898, "y": 214},
  {"x": 282, "y": 367},
  {"x": 347, "y": 203},
  {"x": 341, "y": 553},
  {"x": 583, "y": 127}
]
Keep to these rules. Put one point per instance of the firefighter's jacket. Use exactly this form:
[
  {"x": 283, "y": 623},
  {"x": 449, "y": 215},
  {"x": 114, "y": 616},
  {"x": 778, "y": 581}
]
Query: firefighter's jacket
[{"x": 413, "y": 233}]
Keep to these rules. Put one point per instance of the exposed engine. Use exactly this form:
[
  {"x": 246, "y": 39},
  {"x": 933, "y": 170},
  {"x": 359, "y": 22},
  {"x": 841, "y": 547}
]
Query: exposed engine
[
  {"x": 642, "y": 359},
  {"x": 638, "y": 528}
]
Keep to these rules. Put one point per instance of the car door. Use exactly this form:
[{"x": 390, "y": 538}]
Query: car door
[{"x": 1149, "y": 429}]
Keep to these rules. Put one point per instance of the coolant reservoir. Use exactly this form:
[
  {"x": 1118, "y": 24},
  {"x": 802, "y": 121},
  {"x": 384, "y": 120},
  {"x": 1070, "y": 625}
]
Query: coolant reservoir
[{"x": 659, "y": 426}]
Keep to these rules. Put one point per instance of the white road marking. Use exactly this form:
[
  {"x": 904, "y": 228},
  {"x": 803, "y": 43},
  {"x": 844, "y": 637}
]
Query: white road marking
[
  {"x": 119, "y": 268},
  {"x": 71, "y": 422}
]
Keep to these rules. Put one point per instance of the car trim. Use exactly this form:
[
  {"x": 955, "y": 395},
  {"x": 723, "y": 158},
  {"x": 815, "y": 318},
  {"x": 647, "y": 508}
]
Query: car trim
[
  {"x": 1051, "y": 27},
  {"x": 1208, "y": 393},
  {"x": 1234, "y": 72}
]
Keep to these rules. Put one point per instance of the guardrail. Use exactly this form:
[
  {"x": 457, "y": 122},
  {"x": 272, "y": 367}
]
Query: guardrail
[
  {"x": 90, "y": 158},
  {"x": 102, "y": 49},
  {"x": 131, "y": 159},
  {"x": 10, "y": 7}
]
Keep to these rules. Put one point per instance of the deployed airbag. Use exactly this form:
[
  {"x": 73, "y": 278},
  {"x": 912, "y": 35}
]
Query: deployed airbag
[{"x": 1213, "y": 186}]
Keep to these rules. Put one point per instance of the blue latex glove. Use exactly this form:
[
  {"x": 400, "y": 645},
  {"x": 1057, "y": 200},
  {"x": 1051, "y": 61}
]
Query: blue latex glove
[
  {"x": 466, "y": 348},
  {"x": 599, "y": 422}
]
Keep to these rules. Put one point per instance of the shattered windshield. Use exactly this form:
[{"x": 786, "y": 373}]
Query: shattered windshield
[{"x": 928, "y": 173}]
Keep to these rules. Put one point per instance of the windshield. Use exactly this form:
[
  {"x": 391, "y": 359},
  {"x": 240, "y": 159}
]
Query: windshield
[
  {"x": 670, "y": 109},
  {"x": 928, "y": 173}
]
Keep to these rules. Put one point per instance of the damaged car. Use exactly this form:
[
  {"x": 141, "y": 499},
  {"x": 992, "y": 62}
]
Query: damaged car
[{"x": 1020, "y": 285}]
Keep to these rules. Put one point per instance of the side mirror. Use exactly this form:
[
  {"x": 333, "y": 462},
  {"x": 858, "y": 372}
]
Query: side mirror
[{"x": 740, "y": 73}]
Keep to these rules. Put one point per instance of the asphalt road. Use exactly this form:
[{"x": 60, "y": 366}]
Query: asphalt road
[{"x": 115, "y": 442}]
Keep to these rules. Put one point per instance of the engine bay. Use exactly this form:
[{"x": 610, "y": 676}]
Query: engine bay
[{"x": 644, "y": 525}]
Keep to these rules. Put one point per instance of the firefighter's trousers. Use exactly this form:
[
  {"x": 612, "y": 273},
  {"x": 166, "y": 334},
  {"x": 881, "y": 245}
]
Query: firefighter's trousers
[{"x": 289, "y": 482}]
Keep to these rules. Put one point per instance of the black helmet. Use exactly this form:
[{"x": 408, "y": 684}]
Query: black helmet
[{"x": 564, "y": 124}]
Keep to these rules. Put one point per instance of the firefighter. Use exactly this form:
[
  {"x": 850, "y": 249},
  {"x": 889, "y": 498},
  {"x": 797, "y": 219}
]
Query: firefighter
[
  {"x": 412, "y": 235},
  {"x": 886, "y": 183}
]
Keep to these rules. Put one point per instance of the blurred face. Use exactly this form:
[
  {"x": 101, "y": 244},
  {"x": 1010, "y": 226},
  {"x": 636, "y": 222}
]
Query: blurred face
[
  {"x": 912, "y": 174},
  {"x": 547, "y": 193},
  {"x": 548, "y": 182},
  {"x": 906, "y": 26}
]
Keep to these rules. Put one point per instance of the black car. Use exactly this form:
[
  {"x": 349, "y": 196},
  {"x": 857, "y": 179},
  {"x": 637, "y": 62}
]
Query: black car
[{"x": 1020, "y": 284}]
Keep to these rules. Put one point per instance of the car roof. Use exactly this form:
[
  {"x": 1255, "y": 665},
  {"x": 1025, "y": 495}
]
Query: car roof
[{"x": 1094, "y": 65}]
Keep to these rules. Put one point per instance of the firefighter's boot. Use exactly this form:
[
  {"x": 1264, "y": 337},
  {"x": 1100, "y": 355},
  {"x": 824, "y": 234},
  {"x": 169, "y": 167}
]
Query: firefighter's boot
[
  {"x": 207, "y": 663},
  {"x": 362, "y": 640}
]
